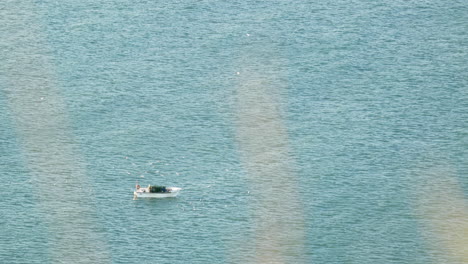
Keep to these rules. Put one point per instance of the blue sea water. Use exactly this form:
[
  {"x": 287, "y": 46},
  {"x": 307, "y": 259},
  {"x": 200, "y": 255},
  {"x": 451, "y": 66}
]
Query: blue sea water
[{"x": 300, "y": 131}]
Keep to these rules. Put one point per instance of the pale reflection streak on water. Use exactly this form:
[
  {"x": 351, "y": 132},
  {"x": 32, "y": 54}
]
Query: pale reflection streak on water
[
  {"x": 58, "y": 175},
  {"x": 263, "y": 145},
  {"x": 443, "y": 212}
]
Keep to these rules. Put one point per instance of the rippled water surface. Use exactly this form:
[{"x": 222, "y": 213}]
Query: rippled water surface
[{"x": 300, "y": 132}]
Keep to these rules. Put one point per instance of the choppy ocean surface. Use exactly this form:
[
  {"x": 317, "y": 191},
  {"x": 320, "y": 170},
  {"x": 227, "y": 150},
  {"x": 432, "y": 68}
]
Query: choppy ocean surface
[{"x": 300, "y": 131}]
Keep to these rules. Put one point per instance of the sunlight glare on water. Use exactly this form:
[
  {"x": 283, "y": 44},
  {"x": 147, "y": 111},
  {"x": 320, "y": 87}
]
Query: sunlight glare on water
[
  {"x": 300, "y": 131},
  {"x": 58, "y": 176},
  {"x": 264, "y": 149}
]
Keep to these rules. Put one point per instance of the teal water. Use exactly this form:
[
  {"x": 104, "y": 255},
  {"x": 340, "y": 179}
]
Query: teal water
[{"x": 311, "y": 132}]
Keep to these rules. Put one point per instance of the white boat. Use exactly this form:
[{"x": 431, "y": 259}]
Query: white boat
[{"x": 155, "y": 191}]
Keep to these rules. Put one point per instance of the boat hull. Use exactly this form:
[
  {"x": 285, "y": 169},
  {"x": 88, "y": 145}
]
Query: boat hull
[{"x": 144, "y": 194}]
